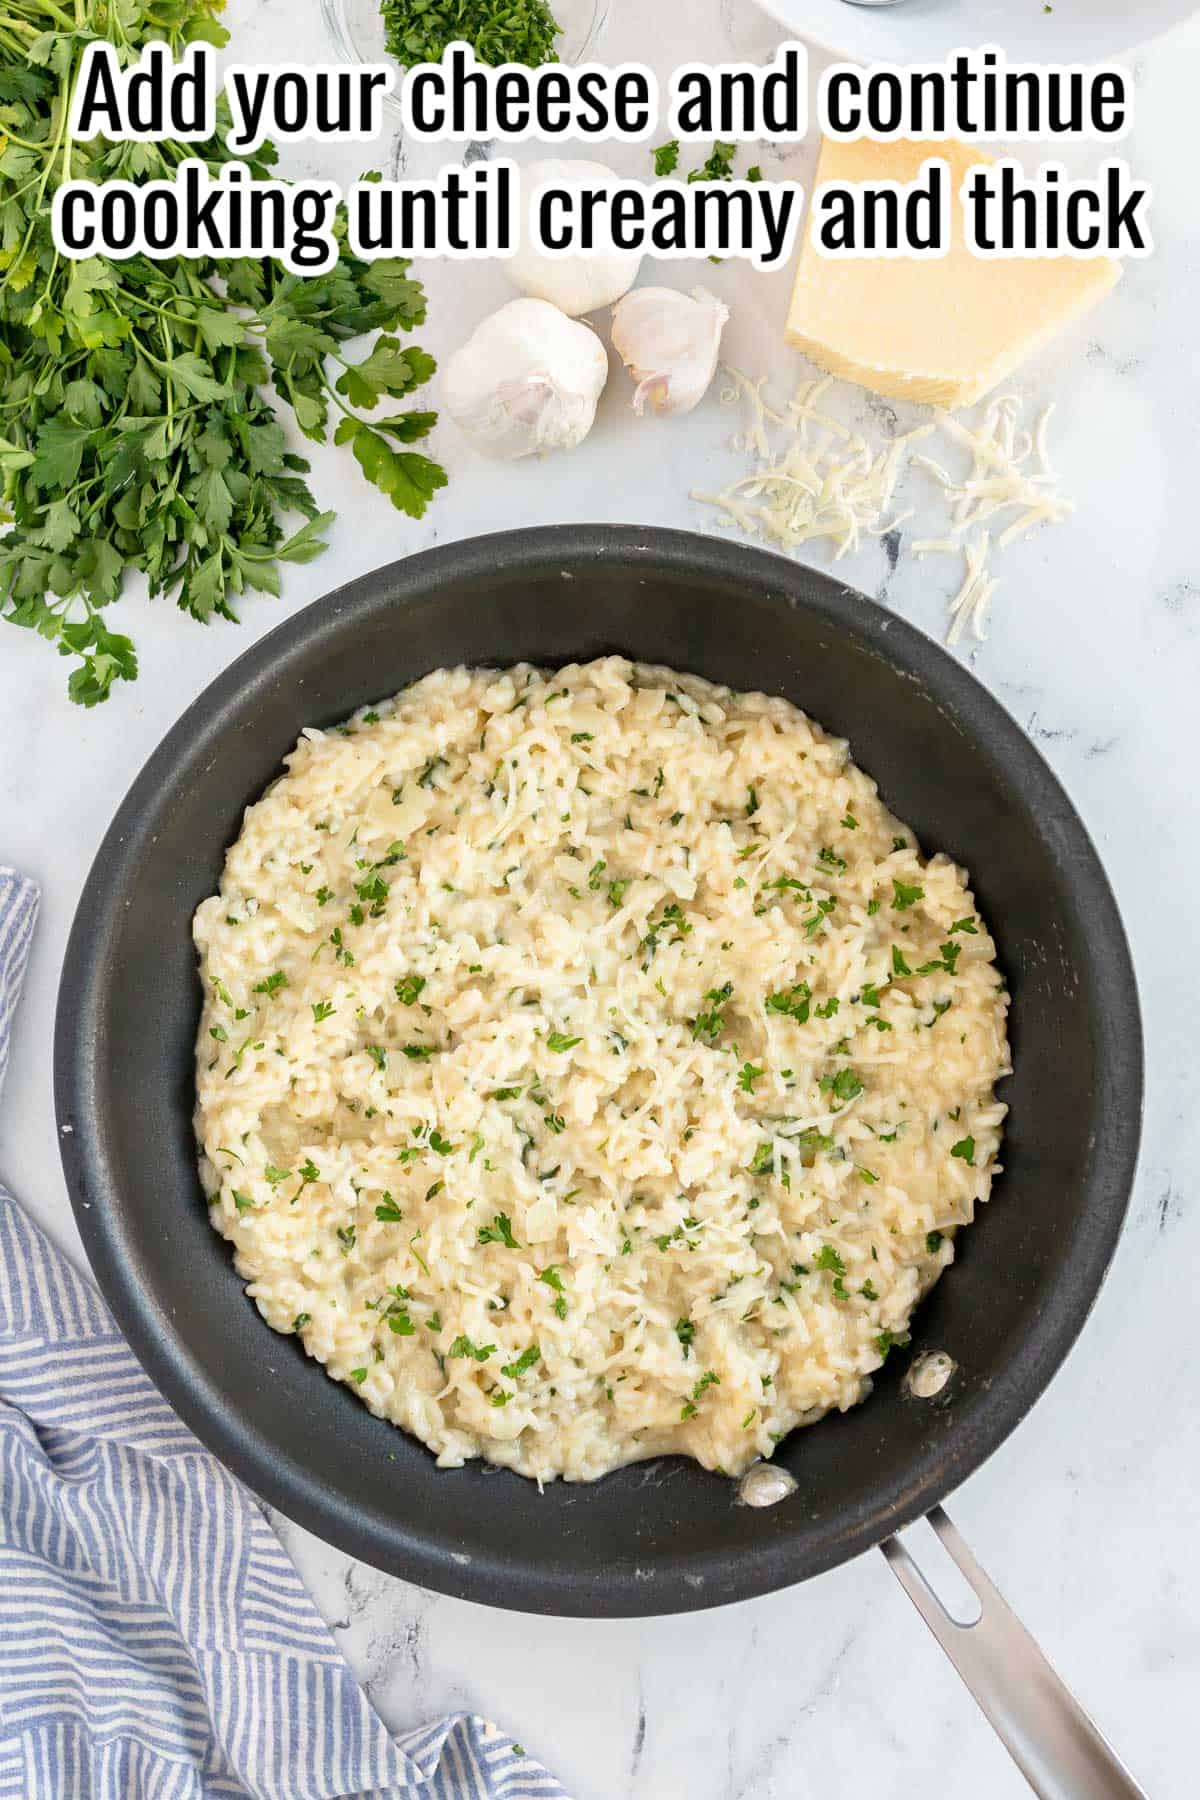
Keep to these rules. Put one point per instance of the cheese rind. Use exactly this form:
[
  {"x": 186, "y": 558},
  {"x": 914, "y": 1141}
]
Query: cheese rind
[{"x": 943, "y": 330}]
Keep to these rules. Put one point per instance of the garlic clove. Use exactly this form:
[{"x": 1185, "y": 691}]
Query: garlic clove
[
  {"x": 583, "y": 281},
  {"x": 526, "y": 382},
  {"x": 670, "y": 343}
]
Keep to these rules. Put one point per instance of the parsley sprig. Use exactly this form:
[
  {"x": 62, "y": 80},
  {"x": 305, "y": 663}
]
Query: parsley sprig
[{"x": 136, "y": 433}]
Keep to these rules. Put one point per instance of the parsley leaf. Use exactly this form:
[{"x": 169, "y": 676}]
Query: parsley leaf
[
  {"x": 499, "y": 1232},
  {"x": 903, "y": 897}
]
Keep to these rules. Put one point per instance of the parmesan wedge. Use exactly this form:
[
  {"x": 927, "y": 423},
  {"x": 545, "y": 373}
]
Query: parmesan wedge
[{"x": 944, "y": 330}]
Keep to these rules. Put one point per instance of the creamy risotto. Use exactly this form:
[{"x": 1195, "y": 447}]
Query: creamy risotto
[{"x": 592, "y": 1067}]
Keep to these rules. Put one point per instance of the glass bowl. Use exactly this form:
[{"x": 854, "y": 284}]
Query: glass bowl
[{"x": 356, "y": 29}]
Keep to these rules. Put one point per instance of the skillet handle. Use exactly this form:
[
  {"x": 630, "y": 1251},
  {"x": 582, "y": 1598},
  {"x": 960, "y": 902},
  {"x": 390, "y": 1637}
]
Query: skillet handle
[{"x": 1041, "y": 1724}]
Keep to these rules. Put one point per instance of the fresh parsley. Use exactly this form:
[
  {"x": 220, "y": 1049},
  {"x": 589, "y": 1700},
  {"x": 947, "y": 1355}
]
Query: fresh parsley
[
  {"x": 499, "y": 1232},
  {"x": 139, "y": 434},
  {"x": 903, "y": 896},
  {"x": 499, "y": 31}
]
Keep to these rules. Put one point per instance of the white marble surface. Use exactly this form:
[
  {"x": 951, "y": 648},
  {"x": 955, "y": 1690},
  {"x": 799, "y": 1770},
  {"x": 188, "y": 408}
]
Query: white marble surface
[{"x": 1087, "y": 1516}]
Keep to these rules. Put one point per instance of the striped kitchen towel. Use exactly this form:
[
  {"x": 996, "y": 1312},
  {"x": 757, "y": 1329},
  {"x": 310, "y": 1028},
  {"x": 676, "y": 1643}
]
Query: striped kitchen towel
[{"x": 156, "y": 1642}]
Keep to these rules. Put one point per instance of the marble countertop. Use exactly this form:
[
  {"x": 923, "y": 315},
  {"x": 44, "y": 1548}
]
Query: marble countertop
[{"x": 1083, "y": 1517}]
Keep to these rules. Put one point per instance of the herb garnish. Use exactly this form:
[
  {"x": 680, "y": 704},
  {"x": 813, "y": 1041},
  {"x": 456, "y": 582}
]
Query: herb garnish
[
  {"x": 709, "y": 1024},
  {"x": 524, "y": 1362},
  {"x": 499, "y": 1232},
  {"x": 903, "y": 897}
]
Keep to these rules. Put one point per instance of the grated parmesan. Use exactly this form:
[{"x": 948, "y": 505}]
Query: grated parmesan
[{"x": 829, "y": 483}]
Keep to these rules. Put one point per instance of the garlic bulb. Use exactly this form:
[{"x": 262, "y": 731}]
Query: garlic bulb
[
  {"x": 669, "y": 342},
  {"x": 583, "y": 281},
  {"x": 528, "y": 380}
]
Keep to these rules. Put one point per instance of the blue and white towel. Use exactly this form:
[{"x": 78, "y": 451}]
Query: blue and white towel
[{"x": 156, "y": 1642}]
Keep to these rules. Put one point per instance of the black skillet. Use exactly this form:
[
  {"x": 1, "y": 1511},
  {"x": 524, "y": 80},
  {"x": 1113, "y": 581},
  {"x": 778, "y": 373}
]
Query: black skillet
[{"x": 663, "y": 1537}]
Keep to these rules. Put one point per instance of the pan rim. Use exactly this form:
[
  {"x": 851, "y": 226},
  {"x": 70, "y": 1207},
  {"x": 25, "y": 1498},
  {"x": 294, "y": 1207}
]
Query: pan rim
[{"x": 684, "y": 1581}]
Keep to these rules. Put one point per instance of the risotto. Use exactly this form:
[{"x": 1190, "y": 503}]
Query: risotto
[{"x": 592, "y": 1067}]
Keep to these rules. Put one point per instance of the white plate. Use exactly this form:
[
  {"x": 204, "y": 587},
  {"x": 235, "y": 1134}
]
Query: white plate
[{"x": 917, "y": 30}]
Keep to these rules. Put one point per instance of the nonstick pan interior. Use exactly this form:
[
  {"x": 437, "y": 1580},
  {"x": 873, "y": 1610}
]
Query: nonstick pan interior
[{"x": 663, "y": 1536}]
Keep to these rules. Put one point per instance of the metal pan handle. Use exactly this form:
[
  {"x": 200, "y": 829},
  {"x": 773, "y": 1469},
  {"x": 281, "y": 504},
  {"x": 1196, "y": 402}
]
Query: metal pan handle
[{"x": 1045, "y": 1730}]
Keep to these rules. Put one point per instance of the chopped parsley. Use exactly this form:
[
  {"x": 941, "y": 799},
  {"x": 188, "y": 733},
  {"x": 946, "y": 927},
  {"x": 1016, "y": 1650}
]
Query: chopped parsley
[
  {"x": 947, "y": 961},
  {"x": 964, "y": 1150},
  {"x": 903, "y": 896},
  {"x": 524, "y": 1362},
  {"x": 685, "y": 1331},
  {"x": 553, "y": 1279},
  {"x": 499, "y": 1232},
  {"x": 462, "y": 1346},
  {"x": 764, "y": 1158},
  {"x": 709, "y": 1024},
  {"x": 322, "y": 1010},
  {"x": 793, "y": 1002},
  {"x": 271, "y": 984},
  {"x": 559, "y": 1042},
  {"x": 719, "y": 166},
  {"x": 813, "y": 924},
  {"x": 844, "y": 1086},
  {"x": 410, "y": 989},
  {"x": 666, "y": 158}
]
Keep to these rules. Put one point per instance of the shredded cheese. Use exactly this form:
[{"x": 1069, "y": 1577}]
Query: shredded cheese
[{"x": 830, "y": 483}]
